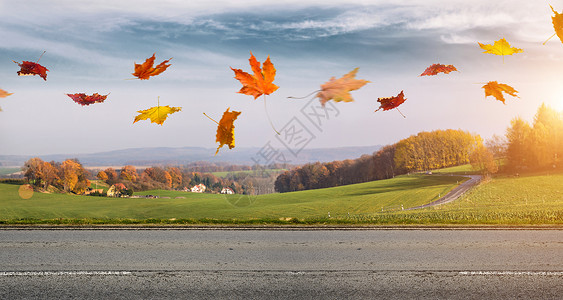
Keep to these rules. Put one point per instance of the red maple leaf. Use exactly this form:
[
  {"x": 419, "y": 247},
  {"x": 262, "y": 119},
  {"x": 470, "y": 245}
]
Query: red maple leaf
[
  {"x": 31, "y": 68},
  {"x": 391, "y": 102},
  {"x": 84, "y": 99},
  {"x": 434, "y": 69}
]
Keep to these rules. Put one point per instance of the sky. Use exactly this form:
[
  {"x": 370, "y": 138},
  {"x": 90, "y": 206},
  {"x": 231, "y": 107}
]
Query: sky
[{"x": 91, "y": 47}]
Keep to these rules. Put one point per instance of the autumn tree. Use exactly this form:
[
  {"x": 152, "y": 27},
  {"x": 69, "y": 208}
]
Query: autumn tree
[
  {"x": 176, "y": 177},
  {"x": 103, "y": 176},
  {"x": 482, "y": 159},
  {"x": 128, "y": 173},
  {"x": 517, "y": 136},
  {"x": 112, "y": 176},
  {"x": 74, "y": 177}
]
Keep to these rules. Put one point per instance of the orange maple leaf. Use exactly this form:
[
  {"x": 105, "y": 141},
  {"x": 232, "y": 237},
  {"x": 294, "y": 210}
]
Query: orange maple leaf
[
  {"x": 261, "y": 83},
  {"x": 495, "y": 89},
  {"x": 434, "y": 69},
  {"x": 157, "y": 114},
  {"x": 500, "y": 47},
  {"x": 226, "y": 129},
  {"x": 4, "y": 94},
  {"x": 145, "y": 70},
  {"x": 388, "y": 103},
  {"x": 557, "y": 25},
  {"x": 339, "y": 89},
  {"x": 84, "y": 99}
]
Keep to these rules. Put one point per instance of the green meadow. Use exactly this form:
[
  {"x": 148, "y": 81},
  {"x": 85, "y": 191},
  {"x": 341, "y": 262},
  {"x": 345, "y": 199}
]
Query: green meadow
[{"x": 534, "y": 199}]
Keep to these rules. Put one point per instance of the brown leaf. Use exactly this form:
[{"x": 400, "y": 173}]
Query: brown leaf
[{"x": 339, "y": 89}]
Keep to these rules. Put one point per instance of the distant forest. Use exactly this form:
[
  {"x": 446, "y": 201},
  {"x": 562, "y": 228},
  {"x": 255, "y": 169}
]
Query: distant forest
[
  {"x": 526, "y": 147},
  {"x": 424, "y": 151}
]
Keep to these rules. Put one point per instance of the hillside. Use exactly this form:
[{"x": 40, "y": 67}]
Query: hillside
[{"x": 364, "y": 198}]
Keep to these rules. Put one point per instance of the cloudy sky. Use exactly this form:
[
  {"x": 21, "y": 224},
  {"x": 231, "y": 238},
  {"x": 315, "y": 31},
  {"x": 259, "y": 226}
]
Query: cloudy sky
[{"x": 91, "y": 47}]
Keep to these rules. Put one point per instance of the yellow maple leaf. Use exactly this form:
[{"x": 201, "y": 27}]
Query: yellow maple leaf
[
  {"x": 500, "y": 47},
  {"x": 495, "y": 89},
  {"x": 557, "y": 21},
  {"x": 157, "y": 114},
  {"x": 339, "y": 89}
]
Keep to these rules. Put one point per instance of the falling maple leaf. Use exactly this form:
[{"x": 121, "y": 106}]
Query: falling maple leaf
[
  {"x": 339, "y": 89},
  {"x": 434, "y": 69},
  {"x": 84, "y": 99},
  {"x": 557, "y": 25},
  {"x": 261, "y": 83},
  {"x": 500, "y": 47},
  {"x": 226, "y": 129},
  {"x": 157, "y": 114},
  {"x": 28, "y": 68},
  {"x": 4, "y": 94},
  {"x": 392, "y": 102},
  {"x": 145, "y": 70},
  {"x": 495, "y": 89}
]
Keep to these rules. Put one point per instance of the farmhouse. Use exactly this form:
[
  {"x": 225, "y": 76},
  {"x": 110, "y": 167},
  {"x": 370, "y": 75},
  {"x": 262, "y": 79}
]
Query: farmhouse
[
  {"x": 227, "y": 190},
  {"x": 115, "y": 190},
  {"x": 200, "y": 188}
]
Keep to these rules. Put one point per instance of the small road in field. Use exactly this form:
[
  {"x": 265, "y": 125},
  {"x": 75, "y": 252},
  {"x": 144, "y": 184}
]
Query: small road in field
[
  {"x": 455, "y": 193},
  {"x": 281, "y": 264}
]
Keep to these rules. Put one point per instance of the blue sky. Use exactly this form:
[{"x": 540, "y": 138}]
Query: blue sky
[{"x": 91, "y": 47}]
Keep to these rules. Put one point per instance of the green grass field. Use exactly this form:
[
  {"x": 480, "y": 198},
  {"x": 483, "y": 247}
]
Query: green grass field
[
  {"x": 365, "y": 198},
  {"x": 534, "y": 199}
]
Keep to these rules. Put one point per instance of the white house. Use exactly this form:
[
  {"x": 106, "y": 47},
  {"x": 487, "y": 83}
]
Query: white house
[
  {"x": 200, "y": 188},
  {"x": 227, "y": 190}
]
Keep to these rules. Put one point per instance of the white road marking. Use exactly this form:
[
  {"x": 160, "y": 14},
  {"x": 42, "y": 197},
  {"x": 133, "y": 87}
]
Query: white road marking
[
  {"x": 527, "y": 273},
  {"x": 68, "y": 273}
]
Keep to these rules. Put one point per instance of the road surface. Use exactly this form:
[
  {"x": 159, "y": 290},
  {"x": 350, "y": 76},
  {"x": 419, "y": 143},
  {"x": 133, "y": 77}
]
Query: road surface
[
  {"x": 281, "y": 264},
  {"x": 455, "y": 193}
]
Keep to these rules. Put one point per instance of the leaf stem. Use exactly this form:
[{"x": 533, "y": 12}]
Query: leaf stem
[
  {"x": 40, "y": 56},
  {"x": 210, "y": 118},
  {"x": 549, "y": 38},
  {"x": 400, "y": 112},
  {"x": 268, "y": 115},
  {"x": 291, "y": 97}
]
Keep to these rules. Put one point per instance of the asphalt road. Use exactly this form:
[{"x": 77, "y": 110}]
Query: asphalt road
[
  {"x": 455, "y": 193},
  {"x": 281, "y": 264}
]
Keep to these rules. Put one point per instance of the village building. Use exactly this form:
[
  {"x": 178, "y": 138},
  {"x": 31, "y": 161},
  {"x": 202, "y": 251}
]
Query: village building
[
  {"x": 227, "y": 190},
  {"x": 115, "y": 190},
  {"x": 200, "y": 188}
]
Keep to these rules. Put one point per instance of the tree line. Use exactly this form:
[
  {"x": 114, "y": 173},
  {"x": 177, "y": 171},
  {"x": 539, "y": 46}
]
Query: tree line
[
  {"x": 424, "y": 151},
  {"x": 71, "y": 177},
  {"x": 536, "y": 146}
]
